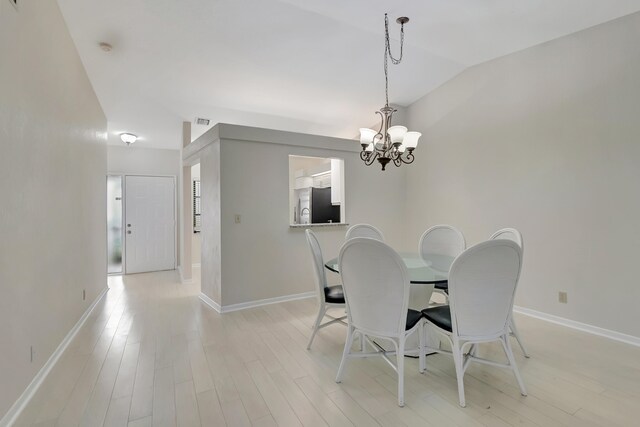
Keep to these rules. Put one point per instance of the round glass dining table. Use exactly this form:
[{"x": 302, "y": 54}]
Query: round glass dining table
[{"x": 435, "y": 270}]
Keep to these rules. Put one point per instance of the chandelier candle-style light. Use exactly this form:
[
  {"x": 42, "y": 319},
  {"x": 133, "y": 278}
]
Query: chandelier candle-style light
[{"x": 390, "y": 143}]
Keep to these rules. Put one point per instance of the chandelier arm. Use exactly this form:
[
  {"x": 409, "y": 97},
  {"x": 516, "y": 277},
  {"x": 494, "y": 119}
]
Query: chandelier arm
[
  {"x": 381, "y": 126},
  {"x": 372, "y": 158},
  {"x": 408, "y": 159}
]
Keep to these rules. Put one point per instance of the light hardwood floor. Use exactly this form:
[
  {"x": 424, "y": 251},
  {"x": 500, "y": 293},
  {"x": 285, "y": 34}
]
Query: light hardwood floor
[{"x": 153, "y": 354}]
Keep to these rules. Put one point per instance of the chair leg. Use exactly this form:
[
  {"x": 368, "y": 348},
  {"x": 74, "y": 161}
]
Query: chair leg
[
  {"x": 459, "y": 364},
  {"x": 421, "y": 350},
  {"x": 514, "y": 330},
  {"x": 321, "y": 313},
  {"x": 473, "y": 351},
  {"x": 506, "y": 344},
  {"x": 400, "y": 366},
  {"x": 362, "y": 342},
  {"x": 345, "y": 354}
]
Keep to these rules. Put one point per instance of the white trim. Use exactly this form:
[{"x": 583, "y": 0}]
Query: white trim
[
  {"x": 16, "y": 409},
  {"x": 182, "y": 279},
  {"x": 257, "y": 303},
  {"x": 211, "y": 303},
  {"x": 195, "y": 265},
  {"x": 584, "y": 327}
]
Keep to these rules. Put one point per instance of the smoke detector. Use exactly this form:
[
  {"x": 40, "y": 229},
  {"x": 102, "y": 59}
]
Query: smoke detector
[
  {"x": 105, "y": 46},
  {"x": 201, "y": 121}
]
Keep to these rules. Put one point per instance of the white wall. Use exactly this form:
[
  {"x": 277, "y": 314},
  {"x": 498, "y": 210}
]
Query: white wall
[
  {"x": 545, "y": 140},
  {"x": 52, "y": 190},
  {"x": 262, "y": 257},
  {"x": 143, "y": 161},
  {"x": 211, "y": 265}
]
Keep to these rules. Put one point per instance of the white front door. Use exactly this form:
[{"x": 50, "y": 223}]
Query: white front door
[{"x": 149, "y": 223}]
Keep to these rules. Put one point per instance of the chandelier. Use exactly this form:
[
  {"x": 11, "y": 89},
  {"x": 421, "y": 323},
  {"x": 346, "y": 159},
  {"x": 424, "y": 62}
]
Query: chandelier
[{"x": 391, "y": 143}]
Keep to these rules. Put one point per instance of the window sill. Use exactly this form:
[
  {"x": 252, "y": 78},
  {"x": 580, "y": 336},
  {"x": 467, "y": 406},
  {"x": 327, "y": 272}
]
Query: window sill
[{"x": 324, "y": 224}]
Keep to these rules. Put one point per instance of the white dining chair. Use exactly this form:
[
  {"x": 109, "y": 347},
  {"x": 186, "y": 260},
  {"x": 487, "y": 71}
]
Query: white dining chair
[
  {"x": 376, "y": 289},
  {"x": 515, "y": 236},
  {"x": 438, "y": 246},
  {"x": 328, "y": 296},
  {"x": 482, "y": 285},
  {"x": 364, "y": 230}
]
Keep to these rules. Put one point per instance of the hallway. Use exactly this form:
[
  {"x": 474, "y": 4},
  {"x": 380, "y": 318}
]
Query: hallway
[{"x": 152, "y": 354}]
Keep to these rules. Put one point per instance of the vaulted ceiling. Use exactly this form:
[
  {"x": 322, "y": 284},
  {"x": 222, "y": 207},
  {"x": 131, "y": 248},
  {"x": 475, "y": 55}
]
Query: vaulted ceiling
[{"x": 302, "y": 65}]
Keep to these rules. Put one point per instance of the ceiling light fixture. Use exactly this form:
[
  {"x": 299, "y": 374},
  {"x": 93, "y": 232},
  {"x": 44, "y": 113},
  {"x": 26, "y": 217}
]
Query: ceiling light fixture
[
  {"x": 128, "y": 138},
  {"x": 390, "y": 143}
]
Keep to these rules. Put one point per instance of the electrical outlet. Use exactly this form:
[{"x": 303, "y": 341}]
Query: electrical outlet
[
  {"x": 562, "y": 297},
  {"x": 237, "y": 218}
]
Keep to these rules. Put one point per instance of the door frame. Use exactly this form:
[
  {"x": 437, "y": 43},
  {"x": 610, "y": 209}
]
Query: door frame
[{"x": 124, "y": 176}]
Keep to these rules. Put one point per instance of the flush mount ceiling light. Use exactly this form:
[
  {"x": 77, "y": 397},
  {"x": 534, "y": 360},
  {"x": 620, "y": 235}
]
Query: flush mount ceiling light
[
  {"x": 128, "y": 138},
  {"x": 390, "y": 143}
]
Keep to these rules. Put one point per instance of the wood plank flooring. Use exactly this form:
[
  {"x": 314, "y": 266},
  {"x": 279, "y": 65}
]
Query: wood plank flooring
[{"x": 152, "y": 354}]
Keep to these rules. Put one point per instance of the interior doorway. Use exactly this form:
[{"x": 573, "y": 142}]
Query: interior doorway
[{"x": 196, "y": 241}]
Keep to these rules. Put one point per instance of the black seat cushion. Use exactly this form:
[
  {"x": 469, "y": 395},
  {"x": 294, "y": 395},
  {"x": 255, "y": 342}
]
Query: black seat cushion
[
  {"x": 439, "y": 316},
  {"x": 334, "y": 294},
  {"x": 443, "y": 286},
  {"x": 413, "y": 317}
]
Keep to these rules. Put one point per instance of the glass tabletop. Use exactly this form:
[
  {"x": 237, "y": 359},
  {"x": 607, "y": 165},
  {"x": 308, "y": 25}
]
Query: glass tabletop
[{"x": 420, "y": 271}]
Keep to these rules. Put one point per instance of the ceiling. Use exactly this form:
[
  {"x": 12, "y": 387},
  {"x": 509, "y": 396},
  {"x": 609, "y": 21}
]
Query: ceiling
[{"x": 301, "y": 65}]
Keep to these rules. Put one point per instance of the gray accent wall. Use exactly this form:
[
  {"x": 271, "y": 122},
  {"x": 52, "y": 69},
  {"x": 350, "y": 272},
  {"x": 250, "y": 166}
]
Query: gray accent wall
[{"x": 546, "y": 140}]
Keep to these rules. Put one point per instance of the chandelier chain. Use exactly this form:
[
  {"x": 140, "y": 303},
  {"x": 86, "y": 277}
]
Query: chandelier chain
[{"x": 389, "y": 55}]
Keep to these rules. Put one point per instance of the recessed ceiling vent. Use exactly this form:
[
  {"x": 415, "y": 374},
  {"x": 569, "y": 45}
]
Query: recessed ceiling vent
[{"x": 201, "y": 121}]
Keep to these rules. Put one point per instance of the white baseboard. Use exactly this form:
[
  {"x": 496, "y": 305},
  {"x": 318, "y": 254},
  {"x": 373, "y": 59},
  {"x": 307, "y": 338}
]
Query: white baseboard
[
  {"x": 584, "y": 327},
  {"x": 257, "y": 303},
  {"x": 14, "y": 412},
  {"x": 211, "y": 303},
  {"x": 182, "y": 279}
]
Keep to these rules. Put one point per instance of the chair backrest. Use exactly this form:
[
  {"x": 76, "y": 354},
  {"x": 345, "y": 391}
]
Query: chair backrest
[
  {"x": 376, "y": 286},
  {"x": 364, "y": 230},
  {"x": 438, "y": 241},
  {"x": 318, "y": 263},
  {"x": 509, "y": 234},
  {"x": 482, "y": 286}
]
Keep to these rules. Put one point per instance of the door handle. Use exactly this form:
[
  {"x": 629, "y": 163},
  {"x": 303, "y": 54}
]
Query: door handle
[{"x": 128, "y": 231}]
